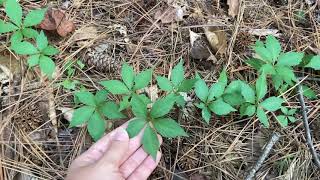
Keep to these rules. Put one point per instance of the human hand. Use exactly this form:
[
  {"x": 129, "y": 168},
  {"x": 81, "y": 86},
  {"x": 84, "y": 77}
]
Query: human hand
[{"x": 114, "y": 157}]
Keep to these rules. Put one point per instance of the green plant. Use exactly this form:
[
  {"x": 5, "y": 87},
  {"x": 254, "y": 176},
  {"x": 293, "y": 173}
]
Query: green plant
[
  {"x": 131, "y": 82},
  {"x": 177, "y": 84},
  {"x": 69, "y": 68},
  {"x": 288, "y": 116},
  {"x": 211, "y": 99},
  {"x": 94, "y": 111},
  {"x": 22, "y": 30}
]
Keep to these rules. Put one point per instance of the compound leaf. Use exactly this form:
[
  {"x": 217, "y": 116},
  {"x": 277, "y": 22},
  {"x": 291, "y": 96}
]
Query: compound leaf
[
  {"x": 135, "y": 126},
  {"x": 201, "y": 90},
  {"x": 127, "y": 75},
  {"x": 81, "y": 115},
  {"x": 168, "y": 128},
  {"x": 96, "y": 126},
  {"x": 115, "y": 87},
  {"x": 283, "y": 121},
  {"x": 274, "y": 47},
  {"x": 150, "y": 142}
]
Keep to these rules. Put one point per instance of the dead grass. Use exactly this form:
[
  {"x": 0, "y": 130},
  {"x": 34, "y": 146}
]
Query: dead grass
[{"x": 224, "y": 149}]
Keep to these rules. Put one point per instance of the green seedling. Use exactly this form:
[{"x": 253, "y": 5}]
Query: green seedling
[
  {"x": 70, "y": 68},
  {"x": 177, "y": 84},
  {"x": 94, "y": 111},
  {"x": 288, "y": 115},
  {"x": 154, "y": 120},
  {"x": 39, "y": 54},
  {"x": 19, "y": 26},
  {"x": 131, "y": 83},
  {"x": 212, "y": 99}
]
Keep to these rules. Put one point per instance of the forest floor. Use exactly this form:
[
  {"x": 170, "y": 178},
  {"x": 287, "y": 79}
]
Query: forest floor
[{"x": 35, "y": 138}]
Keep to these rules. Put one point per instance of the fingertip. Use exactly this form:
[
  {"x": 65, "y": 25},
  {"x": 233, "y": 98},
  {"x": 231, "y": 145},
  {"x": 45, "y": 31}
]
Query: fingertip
[{"x": 120, "y": 135}]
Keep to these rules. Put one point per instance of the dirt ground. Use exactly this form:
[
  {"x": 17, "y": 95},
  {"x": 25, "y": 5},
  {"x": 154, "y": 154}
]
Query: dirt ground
[{"x": 35, "y": 138}]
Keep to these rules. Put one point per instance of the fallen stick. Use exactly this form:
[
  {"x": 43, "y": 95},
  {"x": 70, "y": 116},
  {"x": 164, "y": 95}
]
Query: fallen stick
[
  {"x": 306, "y": 126},
  {"x": 266, "y": 151}
]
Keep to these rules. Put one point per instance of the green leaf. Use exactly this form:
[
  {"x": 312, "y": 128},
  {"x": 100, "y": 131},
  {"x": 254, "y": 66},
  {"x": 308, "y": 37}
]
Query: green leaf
[
  {"x": 164, "y": 83},
  {"x": 47, "y": 66},
  {"x": 86, "y": 98},
  {"x": 101, "y": 96},
  {"x": 255, "y": 63},
  {"x": 96, "y": 126},
  {"x": 283, "y": 121},
  {"x": 234, "y": 99},
  {"x": 33, "y": 60},
  {"x": 150, "y": 142},
  {"x": 111, "y": 110},
  {"x": 127, "y": 75},
  {"x": 263, "y": 53},
  {"x": 42, "y": 41},
  {"x": 250, "y": 110},
  {"x": 274, "y": 47},
  {"x": 284, "y": 110},
  {"x": 201, "y": 90},
  {"x": 70, "y": 84},
  {"x": 220, "y": 107},
  {"x": 14, "y": 11},
  {"x": 272, "y": 103},
  {"x": 292, "y": 119},
  {"x": 267, "y": 69},
  {"x": 169, "y": 128},
  {"x": 277, "y": 81},
  {"x": 144, "y": 99},
  {"x": 177, "y": 74},
  {"x": 180, "y": 101},
  {"x": 216, "y": 90},
  {"x": 290, "y": 59},
  {"x": 24, "y": 48},
  {"x": 50, "y": 51},
  {"x": 81, "y": 115},
  {"x": 30, "y": 33},
  {"x": 16, "y": 38},
  {"x": 262, "y": 117},
  {"x": 286, "y": 73},
  {"x": 163, "y": 106},
  {"x": 206, "y": 114},
  {"x": 124, "y": 104},
  {"x": 115, "y": 87},
  {"x": 223, "y": 78},
  {"x": 291, "y": 111},
  {"x": 34, "y": 17},
  {"x": 234, "y": 87},
  {"x": 142, "y": 79},
  {"x": 261, "y": 86},
  {"x": 187, "y": 85},
  {"x": 79, "y": 63},
  {"x": 314, "y": 62},
  {"x": 135, "y": 126},
  {"x": 248, "y": 93},
  {"x": 308, "y": 92},
  {"x": 7, "y": 27},
  {"x": 139, "y": 108}
]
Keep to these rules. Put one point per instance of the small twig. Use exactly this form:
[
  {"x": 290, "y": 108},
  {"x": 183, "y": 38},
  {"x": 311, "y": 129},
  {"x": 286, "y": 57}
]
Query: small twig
[
  {"x": 308, "y": 78},
  {"x": 306, "y": 126},
  {"x": 266, "y": 151}
]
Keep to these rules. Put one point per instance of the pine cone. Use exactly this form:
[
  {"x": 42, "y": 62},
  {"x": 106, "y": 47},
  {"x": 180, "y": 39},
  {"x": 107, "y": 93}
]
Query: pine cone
[{"x": 100, "y": 57}]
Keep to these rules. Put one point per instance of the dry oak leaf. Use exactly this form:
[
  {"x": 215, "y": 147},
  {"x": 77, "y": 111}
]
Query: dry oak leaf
[
  {"x": 56, "y": 19},
  {"x": 233, "y": 7}
]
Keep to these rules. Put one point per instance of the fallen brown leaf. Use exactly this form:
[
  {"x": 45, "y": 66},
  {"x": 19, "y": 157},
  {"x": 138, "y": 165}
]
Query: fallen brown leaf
[
  {"x": 169, "y": 14},
  {"x": 88, "y": 32},
  {"x": 233, "y": 7},
  {"x": 55, "y": 19},
  {"x": 217, "y": 39}
]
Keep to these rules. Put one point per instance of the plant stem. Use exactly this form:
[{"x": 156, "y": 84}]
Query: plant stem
[
  {"x": 306, "y": 127},
  {"x": 266, "y": 151}
]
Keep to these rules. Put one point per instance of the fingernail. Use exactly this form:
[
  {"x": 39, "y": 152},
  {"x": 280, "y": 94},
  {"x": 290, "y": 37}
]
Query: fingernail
[{"x": 121, "y": 135}]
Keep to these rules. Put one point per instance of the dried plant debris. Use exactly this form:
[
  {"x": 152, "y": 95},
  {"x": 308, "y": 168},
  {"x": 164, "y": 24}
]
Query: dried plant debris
[
  {"x": 217, "y": 39},
  {"x": 199, "y": 46},
  {"x": 233, "y": 7},
  {"x": 169, "y": 14}
]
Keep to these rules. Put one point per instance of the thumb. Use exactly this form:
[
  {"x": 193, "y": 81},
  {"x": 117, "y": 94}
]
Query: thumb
[{"x": 118, "y": 148}]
